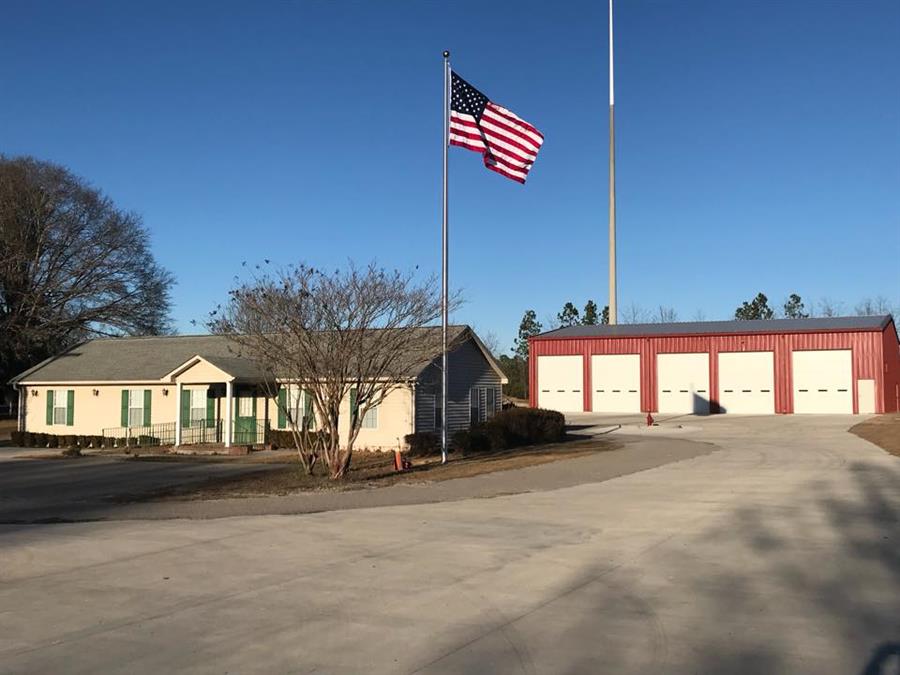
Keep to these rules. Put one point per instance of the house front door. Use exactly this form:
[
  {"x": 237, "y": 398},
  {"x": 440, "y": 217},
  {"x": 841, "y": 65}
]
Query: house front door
[{"x": 245, "y": 420}]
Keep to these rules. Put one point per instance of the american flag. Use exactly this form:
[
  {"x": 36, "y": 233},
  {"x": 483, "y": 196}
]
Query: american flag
[{"x": 508, "y": 143}]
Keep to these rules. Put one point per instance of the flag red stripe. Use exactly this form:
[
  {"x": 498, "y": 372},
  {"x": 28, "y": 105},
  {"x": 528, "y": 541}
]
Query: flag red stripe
[
  {"x": 466, "y": 146},
  {"x": 502, "y": 172},
  {"x": 514, "y": 119},
  {"x": 529, "y": 144}
]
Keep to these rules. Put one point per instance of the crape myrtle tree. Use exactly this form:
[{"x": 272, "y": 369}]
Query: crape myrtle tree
[
  {"x": 72, "y": 266},
  {"x": 352, "y": 334}
]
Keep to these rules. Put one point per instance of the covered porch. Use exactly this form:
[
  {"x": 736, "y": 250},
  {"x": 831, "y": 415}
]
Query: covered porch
[{"x": 219, "y": 400}]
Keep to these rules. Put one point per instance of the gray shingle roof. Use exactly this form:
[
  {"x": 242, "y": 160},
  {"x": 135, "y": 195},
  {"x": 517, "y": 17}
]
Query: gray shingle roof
[
  {"x": 144, "y": 359},
  {"x": 844, "y": 323}
]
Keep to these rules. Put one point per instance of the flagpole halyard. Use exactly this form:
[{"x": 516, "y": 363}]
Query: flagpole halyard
[{"x": 444, "y": 264}]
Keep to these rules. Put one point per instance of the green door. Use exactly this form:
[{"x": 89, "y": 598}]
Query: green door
[{"x": 245, "y": 420}]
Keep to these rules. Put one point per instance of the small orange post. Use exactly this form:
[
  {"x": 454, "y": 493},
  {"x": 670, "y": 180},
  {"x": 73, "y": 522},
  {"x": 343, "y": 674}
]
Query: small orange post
[
  {"x": 398, "y": 460},
  {"x": 649, "y": 420}
]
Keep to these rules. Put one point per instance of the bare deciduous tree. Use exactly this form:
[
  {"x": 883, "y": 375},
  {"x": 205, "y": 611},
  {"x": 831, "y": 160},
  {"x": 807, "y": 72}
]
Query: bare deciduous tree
[
  {"x": 830, "y": 307},
  {"x": 71, "y": 266},
  {"x": 873, "y": 306},
  {"x": 666, "y": 315},
  {"x": 633, "y": 314},
  {"x": 361, "y": 330}
]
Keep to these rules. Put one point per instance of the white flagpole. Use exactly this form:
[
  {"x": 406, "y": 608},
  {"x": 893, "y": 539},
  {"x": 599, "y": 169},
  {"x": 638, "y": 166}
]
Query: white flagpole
[
  {"x": 613, "y": 314},
  {"x": 444, "y": 261}
]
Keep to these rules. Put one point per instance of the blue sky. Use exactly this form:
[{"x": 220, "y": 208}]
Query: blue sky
[{"x": 757, "y": 142}]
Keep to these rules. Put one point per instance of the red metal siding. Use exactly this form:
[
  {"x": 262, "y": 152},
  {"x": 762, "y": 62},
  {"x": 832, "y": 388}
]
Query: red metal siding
[
  {"x": 891, "y": 359},
  {"x": 871, "y": 359}
]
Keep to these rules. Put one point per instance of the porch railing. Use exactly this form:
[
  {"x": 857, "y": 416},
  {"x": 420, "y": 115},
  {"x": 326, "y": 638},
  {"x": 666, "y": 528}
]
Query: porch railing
[
  {"x": 200, "y": 432},
  {"x": 145, "y": 436}
]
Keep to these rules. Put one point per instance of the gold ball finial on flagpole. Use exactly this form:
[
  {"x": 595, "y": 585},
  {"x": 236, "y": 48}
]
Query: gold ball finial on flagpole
[{"x": 446, "y": 54}]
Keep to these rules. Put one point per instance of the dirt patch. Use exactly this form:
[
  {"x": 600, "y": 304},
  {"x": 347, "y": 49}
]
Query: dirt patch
[
  {"x": 883, "y": 431},
  {"x": 371, "y": 470}
]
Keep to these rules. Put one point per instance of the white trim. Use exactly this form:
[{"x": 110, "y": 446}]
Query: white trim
[
  {"x": 178, "y": 394},
  {"x": 229, "y": 421}
]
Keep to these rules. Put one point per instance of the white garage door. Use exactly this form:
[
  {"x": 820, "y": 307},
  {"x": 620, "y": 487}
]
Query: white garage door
[
  {"x": 747, "y": 383},
  {"x": 560, "y": 381},
  {"x": 616, "y": 383},
  {"x": 683, "y": 383},
  {"x": 823, "y": 381}
]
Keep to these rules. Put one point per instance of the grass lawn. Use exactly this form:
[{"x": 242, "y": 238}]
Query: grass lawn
[
  {"x": 883, "y": 431},
  {"x": 375, "y": 470}
]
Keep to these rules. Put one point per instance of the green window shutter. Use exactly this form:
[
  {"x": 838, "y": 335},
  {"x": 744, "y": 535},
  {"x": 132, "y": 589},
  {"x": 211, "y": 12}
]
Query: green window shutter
[
  {"x": 210, "y": 411},
  {"x": 70, "y": 407},
  {"x": 354, "y": 409},
  {"x": 124, "y": 417},
  {"x": 49, "y": 406},
  {"x": 186, "y": 408},
  {"x": 148, "y": 402},
  {"x": 282, "y": 406}
]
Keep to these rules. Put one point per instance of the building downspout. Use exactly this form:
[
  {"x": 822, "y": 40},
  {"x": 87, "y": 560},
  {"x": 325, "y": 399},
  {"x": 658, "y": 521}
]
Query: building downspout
[{"x": 20, "y": 407}]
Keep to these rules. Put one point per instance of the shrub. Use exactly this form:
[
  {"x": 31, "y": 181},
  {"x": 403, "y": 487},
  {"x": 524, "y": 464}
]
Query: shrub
[
  {"x": 470, "y": 441},
  {"x": 423, "y": 443},
  {"x": 283, "y": 438},
  {"x": 121, "y": 442},
  {"x": 84, "y": 441},
  {"x": 52, "y": 441},
  {"x": 525, "y": 426},
  {"x": 16, "y": 438},
  {"x": 41, "y": 440},
  {"x": 69, "y": 441},
  {"x": 96, "y": 441},
  {"x": 28, "y": 439},
  {"x": 72, "y": 451},
  {"x": 146, "y": 440}
]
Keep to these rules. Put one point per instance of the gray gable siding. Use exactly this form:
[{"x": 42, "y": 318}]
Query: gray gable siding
[{"x": 468, "y": 368}]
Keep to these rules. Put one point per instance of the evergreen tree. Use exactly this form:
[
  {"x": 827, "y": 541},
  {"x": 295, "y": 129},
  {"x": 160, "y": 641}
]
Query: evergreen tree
[
  {"x": 758, "y": 308},
  {"x": 604, "y": 316},
  {"x": 794, "y": 309},
  {"x": 568, "y": 316},
  {"x": 590, "y": 318},
  {"x": 528, "y": 327}
]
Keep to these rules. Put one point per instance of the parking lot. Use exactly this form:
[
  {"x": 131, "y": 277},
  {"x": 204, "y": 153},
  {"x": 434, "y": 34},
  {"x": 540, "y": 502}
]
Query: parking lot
[{"x": 775, "y": 552}]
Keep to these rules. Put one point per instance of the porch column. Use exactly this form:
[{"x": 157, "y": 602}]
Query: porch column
[
  {"x": 21, "y": 397},
  {"x": 178, "y": 394},
  {"x": 229, "y": 390}
]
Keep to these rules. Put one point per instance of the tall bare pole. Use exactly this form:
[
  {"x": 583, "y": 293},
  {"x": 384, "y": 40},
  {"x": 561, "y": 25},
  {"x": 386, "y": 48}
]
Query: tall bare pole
[
  {"x": 444, "y": 261},
  {"x": 613, "y": 313}
]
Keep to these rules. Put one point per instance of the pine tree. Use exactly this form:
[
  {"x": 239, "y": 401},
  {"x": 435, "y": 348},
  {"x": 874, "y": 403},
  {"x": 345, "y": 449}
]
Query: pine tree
[
  {"x": 528, "y": 327},
  {"x": 568, "y": 316},
  {"x": 758, "y": 308},
  {"x": 794, "y": 309},
  {"x": 590, "y": 318}
]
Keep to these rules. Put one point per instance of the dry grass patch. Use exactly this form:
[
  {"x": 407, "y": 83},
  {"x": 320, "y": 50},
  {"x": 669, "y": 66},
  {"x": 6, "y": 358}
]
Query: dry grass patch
[
  {"x": 883, "y": 431},
  {"x": 377, "y": 470}
]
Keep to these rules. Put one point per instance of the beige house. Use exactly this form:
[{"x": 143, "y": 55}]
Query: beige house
[{"x": 185, "y": 390}]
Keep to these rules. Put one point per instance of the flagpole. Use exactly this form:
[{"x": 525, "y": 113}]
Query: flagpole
[
  {"x": 613, "y": 314},
  {"x": 444, "y": 261}
]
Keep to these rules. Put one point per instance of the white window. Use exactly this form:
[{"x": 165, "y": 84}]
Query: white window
[
  {"x": 198, "y": 407},
  {"x": 482, "y": 404},
  {"x": 135, "y": 407},
  {"x": 245, "y": 406},
  {"x": 294, "y": 401},
  {"x": 370, "y": 419},
  {"x": 60, "y": 401}
]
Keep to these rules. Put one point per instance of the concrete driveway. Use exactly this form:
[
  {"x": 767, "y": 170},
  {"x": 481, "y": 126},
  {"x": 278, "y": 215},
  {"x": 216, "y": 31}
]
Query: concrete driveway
[{"x": 776, "y": 554}]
